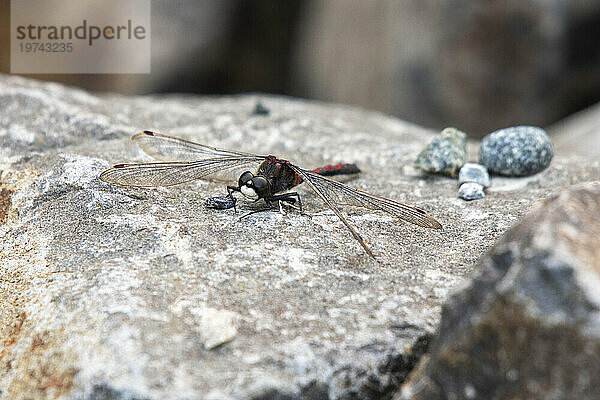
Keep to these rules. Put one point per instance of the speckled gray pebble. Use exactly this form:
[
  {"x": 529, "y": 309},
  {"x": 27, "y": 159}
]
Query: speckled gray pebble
[
  {"x": 260, "y": 109},
  {"x": 220, "y": 202},
  {"x": 471, "y": 172},
  {"x": 471, "y": 191},
  {"x": 445, "y": 154},
  {"x": 516, "y": 151}
]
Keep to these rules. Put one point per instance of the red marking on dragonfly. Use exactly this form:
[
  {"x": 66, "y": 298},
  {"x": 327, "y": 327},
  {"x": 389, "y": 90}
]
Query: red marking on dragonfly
[
  {"x": 271, "y": 182},
  {"x": 337, "y": 169}
]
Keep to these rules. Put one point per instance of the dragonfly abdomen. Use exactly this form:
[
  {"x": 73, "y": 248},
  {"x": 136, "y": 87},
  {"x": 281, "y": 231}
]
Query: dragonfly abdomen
[{"x": 337, "y": 169}]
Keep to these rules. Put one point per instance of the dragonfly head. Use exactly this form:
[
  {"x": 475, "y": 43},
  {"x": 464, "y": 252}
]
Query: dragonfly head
[{"x": 254, "y": 187}]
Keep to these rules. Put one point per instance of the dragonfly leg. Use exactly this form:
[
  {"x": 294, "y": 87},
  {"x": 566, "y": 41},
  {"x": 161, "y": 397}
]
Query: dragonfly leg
[
  {"x": 230, "y": 190},
  {"x": 269, "y": 208},
  {"x": 289, "y": 197}
]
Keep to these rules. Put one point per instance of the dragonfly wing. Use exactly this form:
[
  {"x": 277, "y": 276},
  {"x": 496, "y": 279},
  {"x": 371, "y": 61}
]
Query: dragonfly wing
[
  {"x": 342, "y": 194},
  {"x": 168, "y": 148},
  {"x": 326, "y": 197},
  {"x": 173, "y": 173}
]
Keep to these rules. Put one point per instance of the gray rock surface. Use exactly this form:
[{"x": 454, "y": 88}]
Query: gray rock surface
[
  {"x": 516, "y": 151},
  {"x": 528, "y": 324},
  {"x": 445, "y": 154},
  {"x": 108, "y": 292}
]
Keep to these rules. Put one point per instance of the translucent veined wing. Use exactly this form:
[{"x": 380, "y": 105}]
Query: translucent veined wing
[
  {"x": 325, "y": 196},
  {"x": 173, "y": 173},
  {"x": 168, "y": 148},
  {"x": 340, "y": 193},
  {"x": 188, "y": 161}
]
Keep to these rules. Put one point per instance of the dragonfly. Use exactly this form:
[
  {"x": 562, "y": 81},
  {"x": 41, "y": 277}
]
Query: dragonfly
[{"x": 272, "y": 181}]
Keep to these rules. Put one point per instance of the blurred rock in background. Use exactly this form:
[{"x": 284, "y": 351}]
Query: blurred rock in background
[
  {"x": 475, "y": 65},
  {"x": 248, "y": 47},
  {"x": 579, "y": 133}
]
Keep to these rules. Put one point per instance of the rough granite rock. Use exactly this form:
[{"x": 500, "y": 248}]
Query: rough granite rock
[
  {"x": 121, "y": 293},
  {"x": 528, "y": 324},
  {"x": 444, "y": 154}
]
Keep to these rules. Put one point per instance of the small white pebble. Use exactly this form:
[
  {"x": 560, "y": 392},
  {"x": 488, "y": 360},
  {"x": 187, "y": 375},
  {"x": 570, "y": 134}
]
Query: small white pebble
[
  {"x": 471, "y": 172},
  {"x": 217, "y": 327},
  {"x": 471, "y": 191}
]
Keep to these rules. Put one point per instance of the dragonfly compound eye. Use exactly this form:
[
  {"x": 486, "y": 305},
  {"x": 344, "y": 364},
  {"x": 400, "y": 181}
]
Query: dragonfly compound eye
[
  {"x": 245, "y": 177},
  {"x": 261, "y": 186}
]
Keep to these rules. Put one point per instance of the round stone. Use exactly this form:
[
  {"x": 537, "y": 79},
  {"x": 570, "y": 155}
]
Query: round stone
[
  {"x": 471, "y": 191},
  {"x": 516, "y": 151},
  {"x": 471, "y": 172}
]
